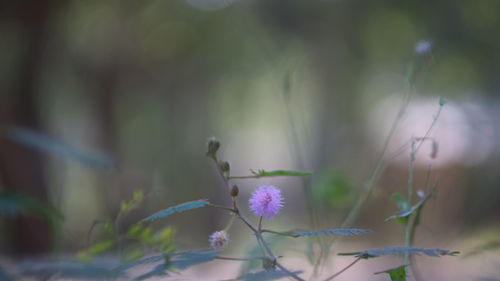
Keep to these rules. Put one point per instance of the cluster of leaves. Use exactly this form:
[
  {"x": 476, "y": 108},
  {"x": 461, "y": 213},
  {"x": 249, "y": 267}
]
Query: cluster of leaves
[
  {"x": 401, "y": 250},
  {"x": 138, "y": 240}
]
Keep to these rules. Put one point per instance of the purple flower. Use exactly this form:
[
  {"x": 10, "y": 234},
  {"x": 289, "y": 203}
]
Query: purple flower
[
  {"x": 266, "y": 201},
  {"x": 218, "y": 240}
]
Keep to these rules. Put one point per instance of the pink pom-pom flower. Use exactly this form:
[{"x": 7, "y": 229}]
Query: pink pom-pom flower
[
  {"x": 218, "y": 240},
  {"x": 266, "y": 201}
]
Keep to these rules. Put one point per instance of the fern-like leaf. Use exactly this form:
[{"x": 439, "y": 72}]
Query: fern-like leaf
[
  {"x": 332, "y": 231},
  {"x": 176, "y": 209},
  {"x": 401, "y": 250},
  {"x": 277, "y": 173},
  {"x": 267, "y": 275}
]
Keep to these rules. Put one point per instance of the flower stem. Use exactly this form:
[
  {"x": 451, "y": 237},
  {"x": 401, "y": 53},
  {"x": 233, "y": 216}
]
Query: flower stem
[{"x": 257, "y": 232}]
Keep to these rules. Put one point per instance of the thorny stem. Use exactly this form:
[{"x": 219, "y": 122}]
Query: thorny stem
[
  {"x": 343, "y": 269},
  {"x": 258, "y": 234},
  {"x": 260, "y": 224}
]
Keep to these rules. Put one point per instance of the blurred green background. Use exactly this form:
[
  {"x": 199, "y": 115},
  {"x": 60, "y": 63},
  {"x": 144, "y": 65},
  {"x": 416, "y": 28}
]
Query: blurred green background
[{"x": 101, "y": 98}]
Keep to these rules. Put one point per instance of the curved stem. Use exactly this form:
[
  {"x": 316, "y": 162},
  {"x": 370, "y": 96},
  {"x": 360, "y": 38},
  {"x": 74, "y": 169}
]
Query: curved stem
[{"x": 343, "y": 269}]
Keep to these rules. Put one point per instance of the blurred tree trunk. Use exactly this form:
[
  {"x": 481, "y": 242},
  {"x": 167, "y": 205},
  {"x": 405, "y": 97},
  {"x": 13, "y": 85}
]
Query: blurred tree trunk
[{"x": 22, "y": 168}]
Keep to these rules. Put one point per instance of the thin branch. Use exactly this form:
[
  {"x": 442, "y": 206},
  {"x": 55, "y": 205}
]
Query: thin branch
[
  {"x": 221, "y": 207},
  {"x": 292, "y": 275},
  {"x": 288, "y": 234},
  {"x": 237, "y": 259},
  {"x": 434, "y": 120},
  {"x": 343, "y": 269}
]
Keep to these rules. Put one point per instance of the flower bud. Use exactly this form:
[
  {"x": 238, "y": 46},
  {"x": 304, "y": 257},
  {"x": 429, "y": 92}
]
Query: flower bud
[
  {"x": 213, "y": 146},
  {"x": 234, "y": 191}
]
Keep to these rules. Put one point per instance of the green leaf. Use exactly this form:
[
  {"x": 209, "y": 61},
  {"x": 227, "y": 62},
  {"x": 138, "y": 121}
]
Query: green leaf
[
  {"x": 101, "y": 247},
  {"x": 134, "y": 253},
  {"x": 267, "y": 275},
  {"x": 401, "y": 250},
  {"x": 134, "y": 203},
  {"x": 177, "y": 208},
  {"x": 45, "y": 143},
  {"x": 276, "y": 173},
  {"x": 332, "y": 231},
  {"x": 396, "y": 274},
  {"x": 96, "y": 249}
]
